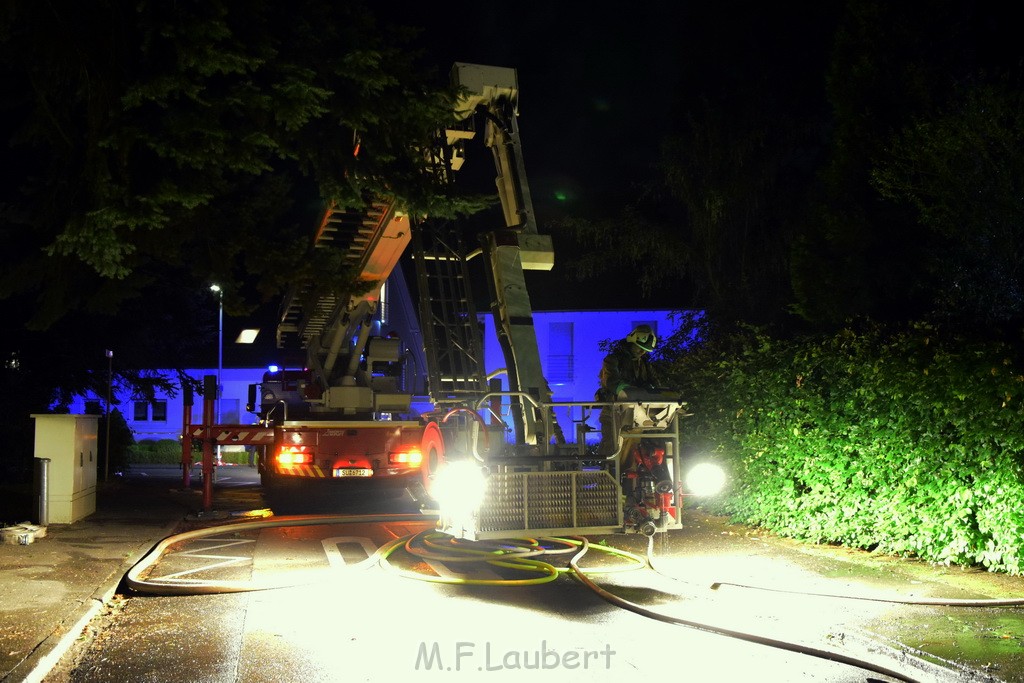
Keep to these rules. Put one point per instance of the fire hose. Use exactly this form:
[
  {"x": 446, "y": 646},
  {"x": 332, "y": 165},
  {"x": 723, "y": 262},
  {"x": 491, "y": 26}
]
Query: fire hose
[{"x": 510, "y": 554}]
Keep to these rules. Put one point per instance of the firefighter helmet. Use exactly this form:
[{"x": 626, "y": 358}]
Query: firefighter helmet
[{"x": 644, "y": 337}]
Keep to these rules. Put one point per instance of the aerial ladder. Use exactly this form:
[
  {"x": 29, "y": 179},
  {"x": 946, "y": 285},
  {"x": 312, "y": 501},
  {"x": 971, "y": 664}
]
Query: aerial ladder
[
  {"x": 345, "y": 416},
  {"x": 486, "y": 483}
]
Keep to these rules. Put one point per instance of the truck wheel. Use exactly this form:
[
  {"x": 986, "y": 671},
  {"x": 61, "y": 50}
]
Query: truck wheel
[{"x": 432, "y": 448}]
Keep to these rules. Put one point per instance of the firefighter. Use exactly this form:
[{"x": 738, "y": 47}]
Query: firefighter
[{"x": 627, "y": 367}]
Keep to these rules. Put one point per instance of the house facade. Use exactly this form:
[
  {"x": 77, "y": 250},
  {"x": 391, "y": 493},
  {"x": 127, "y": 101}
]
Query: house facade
[
  {"x": 569, "y": 343},
  {"x": 162, "y": 416},
  {"x": 571, "y": 346}
]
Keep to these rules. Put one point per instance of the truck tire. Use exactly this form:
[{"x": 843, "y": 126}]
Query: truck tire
[{"x": 432, "y": 448}]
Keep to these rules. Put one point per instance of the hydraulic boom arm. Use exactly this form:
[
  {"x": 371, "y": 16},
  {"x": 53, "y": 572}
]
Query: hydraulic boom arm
[{"x": 493, "y": 93}]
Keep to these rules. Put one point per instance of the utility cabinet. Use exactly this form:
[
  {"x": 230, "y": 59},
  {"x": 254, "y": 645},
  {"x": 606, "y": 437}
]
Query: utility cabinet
[{"x": 69, "y": 441}]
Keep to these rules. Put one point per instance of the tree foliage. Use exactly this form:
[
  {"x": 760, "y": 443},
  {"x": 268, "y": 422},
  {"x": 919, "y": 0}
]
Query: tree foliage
[
  {"x": 152, "y": 148},
  {"x": 745, "y": 140},
  {"x": 181, "y": 134},
  {"x": 894, "y": 66},
  {"x": 963, "y": 174},
  {"x": 795, "y": 174}
]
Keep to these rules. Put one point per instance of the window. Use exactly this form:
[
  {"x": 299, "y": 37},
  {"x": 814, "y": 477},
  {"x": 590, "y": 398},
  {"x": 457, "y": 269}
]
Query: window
[
  {"x": 229, "y": 411},
  {"x": 560, "y": 368},
  {"x": 144, "y": 411}
]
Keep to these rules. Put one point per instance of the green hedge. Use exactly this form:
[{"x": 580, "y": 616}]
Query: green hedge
[
  {"x": 150, "y": 452},
  {"x": 168, "y": 452},
  {"x": 907, "y": 442}
]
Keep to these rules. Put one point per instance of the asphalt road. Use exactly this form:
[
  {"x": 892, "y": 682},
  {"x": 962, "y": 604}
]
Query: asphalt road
[
  {"x": 338, "y": 613},
  {"x": 370, "y": 624}
]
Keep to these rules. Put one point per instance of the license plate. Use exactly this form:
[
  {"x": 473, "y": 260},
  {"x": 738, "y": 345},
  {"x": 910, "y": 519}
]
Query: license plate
[{"x": 353, "y": 472}]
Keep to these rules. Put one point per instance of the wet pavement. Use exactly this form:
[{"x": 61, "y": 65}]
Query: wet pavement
[
  {"x": 872, "y": 596},
  {"x": 52, "y": 589}
]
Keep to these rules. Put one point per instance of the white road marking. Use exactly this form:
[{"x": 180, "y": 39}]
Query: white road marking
[
  {"x": 204, "y": 553},
  {"x": 335, "y": 557}
]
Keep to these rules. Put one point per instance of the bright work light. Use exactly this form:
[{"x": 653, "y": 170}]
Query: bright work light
[
  {"x": 705, "y": 479},
  {"x": 459, "y": 487}
]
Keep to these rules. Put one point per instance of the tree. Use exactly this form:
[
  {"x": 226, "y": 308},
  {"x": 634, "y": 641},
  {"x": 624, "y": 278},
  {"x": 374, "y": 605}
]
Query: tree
[
  {"x": 746, "y": 137},
  {"x": 962, "y": 173},
  {"x": 893, "y": 66},
  {"x": 155, "y": 147},
  {"x": 157, "y": 135}
]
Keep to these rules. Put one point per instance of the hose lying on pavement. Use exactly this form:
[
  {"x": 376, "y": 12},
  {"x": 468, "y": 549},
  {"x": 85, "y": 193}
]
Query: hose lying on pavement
[
  {"x": 197, "y": 587},
  {"x": 934, "y": 602},
  {"x": 895, "y": 600},
  {"x": 517, "y": 554},
  {"x": 739, "y": 635}
]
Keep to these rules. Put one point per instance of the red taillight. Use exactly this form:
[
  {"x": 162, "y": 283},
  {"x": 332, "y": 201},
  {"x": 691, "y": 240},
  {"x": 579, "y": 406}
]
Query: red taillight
[
  {"x": 294, "y": 455},
  {"x": 408, "y": 455}
]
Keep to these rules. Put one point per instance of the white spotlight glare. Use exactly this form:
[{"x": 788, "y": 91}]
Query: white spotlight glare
[
  {"x": 705, "y": 479},
  {"x": 459, "y": 487}
]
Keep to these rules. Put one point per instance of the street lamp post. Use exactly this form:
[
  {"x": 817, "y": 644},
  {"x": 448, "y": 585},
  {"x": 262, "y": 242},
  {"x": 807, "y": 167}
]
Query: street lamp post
[
  {"x": 216, "y": 289},
  {"x": 110, "y": 384}
]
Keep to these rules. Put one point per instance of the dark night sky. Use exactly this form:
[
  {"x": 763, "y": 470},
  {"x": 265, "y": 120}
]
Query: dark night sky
[
  {"x": 599, "y": 86},
  {"x": 597, "y": 90},
  {"x": 593, "y": 101}
]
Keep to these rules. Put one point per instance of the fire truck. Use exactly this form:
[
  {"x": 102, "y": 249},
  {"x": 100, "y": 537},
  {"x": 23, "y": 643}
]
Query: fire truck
[
  {"x": 490, "y": 455},
  {"x": 345, "y": 415}
]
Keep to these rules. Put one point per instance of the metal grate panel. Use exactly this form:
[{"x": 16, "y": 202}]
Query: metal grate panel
[{"x": 550, "y": 503}]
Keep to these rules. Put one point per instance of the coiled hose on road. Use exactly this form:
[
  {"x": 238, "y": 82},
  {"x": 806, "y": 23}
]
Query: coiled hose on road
[
  {"x": 519, "y": 554},
  {"x": 134, "y": 581},
  {"x": 515, "y": 554}
]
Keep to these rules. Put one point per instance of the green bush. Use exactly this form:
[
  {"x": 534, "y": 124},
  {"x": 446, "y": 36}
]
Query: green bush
[
  {"x": 908, "y": 442},
  {"x": 168, "y": 452},
  {"x": 234, "y": 457},
  {"x": 155, "y": 452}
]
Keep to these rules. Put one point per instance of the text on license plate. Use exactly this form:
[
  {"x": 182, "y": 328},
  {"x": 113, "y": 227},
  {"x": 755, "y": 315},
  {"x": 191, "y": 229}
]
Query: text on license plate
[{"x": 353, "y": 472}]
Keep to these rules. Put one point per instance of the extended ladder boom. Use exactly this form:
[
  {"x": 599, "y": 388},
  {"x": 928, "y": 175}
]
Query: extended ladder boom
[{"x": 493, "y": 94}]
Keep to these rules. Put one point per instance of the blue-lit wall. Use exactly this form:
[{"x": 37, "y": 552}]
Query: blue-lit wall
[
  {"x": 569, "y": 343},
  {"x": 162, "y": 419}
]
